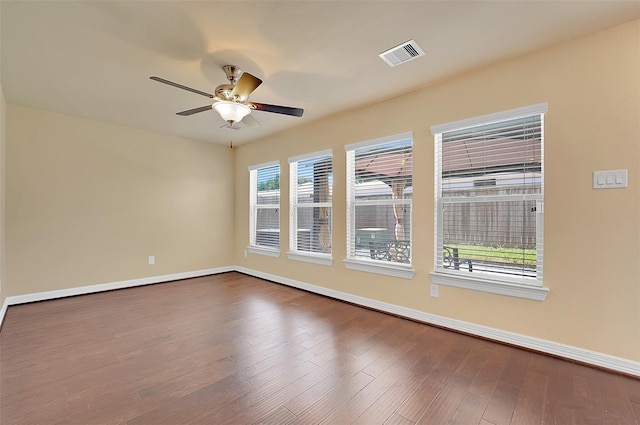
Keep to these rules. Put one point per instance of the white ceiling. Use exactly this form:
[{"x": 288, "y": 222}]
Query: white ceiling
[{"x": 94, "y": 59}]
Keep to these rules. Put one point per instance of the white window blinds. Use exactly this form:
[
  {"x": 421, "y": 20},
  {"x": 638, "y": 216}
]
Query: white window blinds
[
  {"x": 311, "y": 191},
  {"x": 265, "y": 206},
  {"x": 489, "y": 193},
  {"x": 379, "y": 197}
]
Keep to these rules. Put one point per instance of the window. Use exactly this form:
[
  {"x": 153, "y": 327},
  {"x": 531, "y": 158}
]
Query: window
[
  {"x": 379, "y": 194},
  {"x": 311, "y": 182},
  {"x": 489, "y": 180},
  {"x": 264, "y": 226}
]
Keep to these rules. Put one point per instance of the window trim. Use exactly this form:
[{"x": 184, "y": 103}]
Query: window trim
[
  {"x": 494, "y": 286},
  {"x": 253, "y": 194},
  {"x": 539, "y": 108},
  {"x": 270, "y": 252},
  {"x": 294, "y": 254},
  {"x": 379, "y": 141},
  {"x": 322, "y": 259},
  {"x": 400, "y": 270},
  {"x": 392, "y": 269},
  {"x": 532, "y": 289}
]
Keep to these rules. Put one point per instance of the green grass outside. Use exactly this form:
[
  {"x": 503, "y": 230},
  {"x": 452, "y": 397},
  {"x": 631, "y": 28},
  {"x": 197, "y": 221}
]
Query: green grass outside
[{"x": 498, "y": 255}]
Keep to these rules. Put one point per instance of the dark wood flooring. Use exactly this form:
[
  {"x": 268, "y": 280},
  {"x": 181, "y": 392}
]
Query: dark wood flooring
[{"x": 232, "y": 349}]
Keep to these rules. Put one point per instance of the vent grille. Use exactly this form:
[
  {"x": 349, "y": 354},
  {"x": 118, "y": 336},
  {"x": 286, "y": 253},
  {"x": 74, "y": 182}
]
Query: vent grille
[{"x": 402, "y": 53}]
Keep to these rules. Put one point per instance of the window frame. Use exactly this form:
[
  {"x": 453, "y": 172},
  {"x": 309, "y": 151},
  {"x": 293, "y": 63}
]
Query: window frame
[
  {"x": 254, "y": 207},
  {"x": 388, "y": 268},
  {"x": 511, "y": 286},
  {"x": 294, "y": 253}
]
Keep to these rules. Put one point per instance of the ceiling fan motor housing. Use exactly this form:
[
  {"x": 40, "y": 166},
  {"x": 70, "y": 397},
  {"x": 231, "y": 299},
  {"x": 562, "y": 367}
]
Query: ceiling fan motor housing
[
  {"x": 233, "y": 73},
  {"x": 223, "y": 91}
]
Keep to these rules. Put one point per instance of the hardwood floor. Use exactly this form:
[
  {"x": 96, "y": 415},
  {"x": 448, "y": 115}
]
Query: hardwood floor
[{"x": 232, "y": 349}]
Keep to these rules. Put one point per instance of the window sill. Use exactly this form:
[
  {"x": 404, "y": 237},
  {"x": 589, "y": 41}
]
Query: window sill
[
  {"x": 310, "y": 258},
  {"x": 395, "y": 270},
  {"x": 529, "y": 292},
  {"x": 271, "y": 252}
]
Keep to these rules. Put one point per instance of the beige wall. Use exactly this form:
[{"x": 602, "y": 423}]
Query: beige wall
[
  {"x": 592, "y": 238},
  {"x": 88, "y": 202}
]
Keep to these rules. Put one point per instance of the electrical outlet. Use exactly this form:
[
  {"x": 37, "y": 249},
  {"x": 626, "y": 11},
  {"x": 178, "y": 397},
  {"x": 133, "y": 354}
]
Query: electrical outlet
[
  {"x": 245, "y": 253},
  {"x": 434, "y": 290},
  {"x": 152, "y": 259}
]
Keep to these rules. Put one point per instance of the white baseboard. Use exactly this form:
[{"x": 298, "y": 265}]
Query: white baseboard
[
  {"x": 3, "y": 310},
  {"x": 605, "y": 361},
  {"x": 582, "y": 355},
  {"x": 82, "y": 290}
]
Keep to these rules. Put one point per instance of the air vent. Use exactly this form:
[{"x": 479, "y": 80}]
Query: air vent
[{"x": 402, "y": 53}]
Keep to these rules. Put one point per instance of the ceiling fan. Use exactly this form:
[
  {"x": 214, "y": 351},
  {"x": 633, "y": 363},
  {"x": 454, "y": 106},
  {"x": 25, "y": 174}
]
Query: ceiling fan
[{"x": 231, "y": 100}]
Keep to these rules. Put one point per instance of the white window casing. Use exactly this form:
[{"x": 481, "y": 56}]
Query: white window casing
[
  {"x": 264, "y": 206},
  {"x": 379, "y": 204},
  {"x": 489, "y": 200},
  {"x": 310, "y": 211}
]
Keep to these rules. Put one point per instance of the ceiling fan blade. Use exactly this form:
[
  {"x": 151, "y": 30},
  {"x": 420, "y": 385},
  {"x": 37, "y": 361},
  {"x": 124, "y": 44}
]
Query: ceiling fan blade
[
  {"x": 194, "y": 110},
  {"x": 285, "y": 110},
  {"x": 180, "y": 86},
  {"x": 250, "y": 122},
  {"x": 245, "y": 86}
]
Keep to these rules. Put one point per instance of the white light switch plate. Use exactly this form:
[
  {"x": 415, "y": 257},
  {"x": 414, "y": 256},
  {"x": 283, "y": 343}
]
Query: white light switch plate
[{"x": 611, "y": 179}]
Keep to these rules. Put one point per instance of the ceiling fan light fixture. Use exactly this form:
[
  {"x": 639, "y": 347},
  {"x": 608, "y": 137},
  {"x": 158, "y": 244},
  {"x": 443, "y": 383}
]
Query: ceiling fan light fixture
[{"x": 231, "y": 111}]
